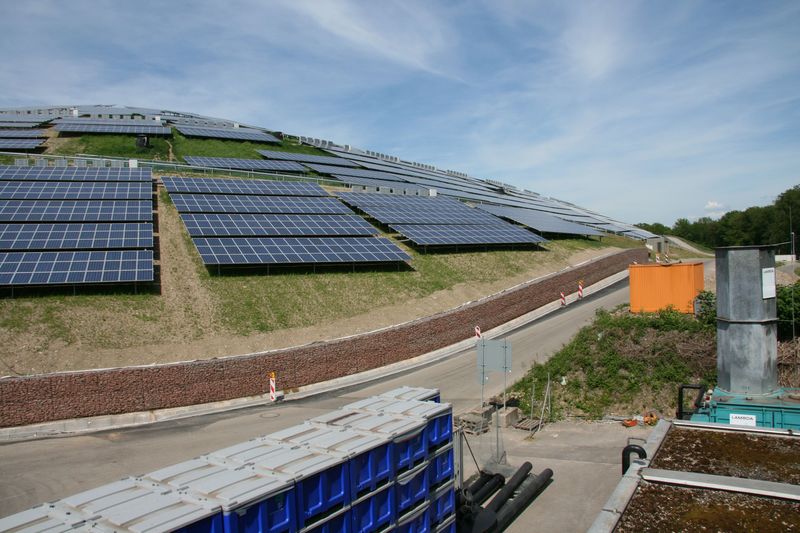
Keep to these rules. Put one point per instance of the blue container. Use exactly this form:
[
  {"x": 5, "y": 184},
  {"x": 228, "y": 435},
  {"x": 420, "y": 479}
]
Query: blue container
[
  {"x": 418, "y": 521},
  {"x": 443, "y": 504},
  {"x": 412, "y": 488},
  {"x": 448, "y": 526},
  {"x": 321, "y": 481},
  {"x": 408, "y": 434},
  {"x": 441, "y": 467},
  {"x": 413, "y": 393},
  {"x": 134, "y": 505},
  {"x": 375, "y": 511},
  {"x": 370, "y": 455},
  {"x": 251, "y": 501},
  {"x": 439, "y": 416}
]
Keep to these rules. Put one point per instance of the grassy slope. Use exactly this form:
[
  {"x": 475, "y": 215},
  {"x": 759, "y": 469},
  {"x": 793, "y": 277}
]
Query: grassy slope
[
  {"x": 624, "y": 364},
  {"x": 125, "y": 146}
]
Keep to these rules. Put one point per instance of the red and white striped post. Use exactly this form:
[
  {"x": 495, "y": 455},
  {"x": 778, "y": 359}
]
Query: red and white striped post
[
  {"x": 477, "y": 332},
  {"x": 563, "y": 300},
  {"x": 580, "y": 290},
  {"x": 272, "y": 386}
]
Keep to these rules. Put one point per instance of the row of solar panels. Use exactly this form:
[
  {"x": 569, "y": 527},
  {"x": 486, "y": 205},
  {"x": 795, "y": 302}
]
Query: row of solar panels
[
  {"x": 75, "y": 226},
  {"x": 288, "y": 223},
  {"x": 534, "y": 216}
]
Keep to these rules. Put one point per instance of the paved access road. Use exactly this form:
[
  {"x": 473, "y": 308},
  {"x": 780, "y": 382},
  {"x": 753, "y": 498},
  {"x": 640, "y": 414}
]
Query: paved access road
[{"x": 584, "y": 457}]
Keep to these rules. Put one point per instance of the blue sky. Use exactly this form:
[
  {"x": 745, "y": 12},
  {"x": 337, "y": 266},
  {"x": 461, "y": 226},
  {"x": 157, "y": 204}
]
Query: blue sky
[{"x": 641, "y": 111}]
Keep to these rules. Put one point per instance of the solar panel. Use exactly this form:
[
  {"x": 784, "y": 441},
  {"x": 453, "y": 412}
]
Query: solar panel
[
  {"x": 213, "y": 203},
  {"x": 75, "y": 236},
  {"x": 356, "y": 172},
  {"x": 271, "y": 251},
  {"x": 76, "y": 211},
  {"x": 539, "y": 220},
  {"x": 71, "y": 190},
  {"x": 21, "y": 134},
  {"x": 11, "y": 173},
  {"x": 49, "y": 268},
  {"x": 243, "y": 134},
  {"x": 426, "y": 235},
  {"x": 111, "y": 128},
  {"x": 18, "y": 125},
  {"x": 22, "y": 119},
  {"x": 20, "y": 144},
  {"x": 244, "y": 164},
  {"x": 360, "y": 199},
  {"x": 247, "y": 225},
  {"x": 307, "y": 158},
  {"x": 391, "y": 185},
  {"x": 388, "y": 215},
  {"x": 110, "y": 121},
  {"x": 242, "y": 186}
]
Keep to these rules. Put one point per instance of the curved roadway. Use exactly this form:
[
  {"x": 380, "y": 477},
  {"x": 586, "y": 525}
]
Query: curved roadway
[{"x": 36, "y": 471}]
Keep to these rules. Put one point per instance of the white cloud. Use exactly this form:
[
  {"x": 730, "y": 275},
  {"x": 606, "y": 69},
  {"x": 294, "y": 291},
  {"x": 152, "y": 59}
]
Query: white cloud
[{"x": 712, "y": 205}]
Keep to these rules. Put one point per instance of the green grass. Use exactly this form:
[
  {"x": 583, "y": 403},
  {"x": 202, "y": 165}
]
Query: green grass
[
  {"x": 261, "y": 303},
  {"x": 125, "y": 146},
  {"x": 624, "y": 364},
  {"x": 6, "y": 159},
  {"x": 113, "y": 146}
]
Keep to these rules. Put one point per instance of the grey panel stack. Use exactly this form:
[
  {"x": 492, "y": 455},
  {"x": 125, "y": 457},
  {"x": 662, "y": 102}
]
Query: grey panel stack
[
  {"x": 110, "y": 121},
  {"x": 264, "y": 222},
  {"x": 57, "y": 229},
  {"x": 244, "y": 164},
  {"x": 241, "y": 134}
]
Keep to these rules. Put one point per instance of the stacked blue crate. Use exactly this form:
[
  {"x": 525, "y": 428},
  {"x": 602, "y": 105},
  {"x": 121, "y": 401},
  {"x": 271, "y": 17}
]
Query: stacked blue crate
[
  {"x": 408, "y": 435},
  {"x": 418, "y": 521},
  {"x": 44, "y": 517},
  {"x": 443, "y": 504},
  {"x": 251, "y": 501},
  {"x": 439, "y": 416},
  {"x": 413, "y": 393},
  {"x": 321, "y": 480},
  {"x": 371, "y": 469},
  {"x": 137, "y": 505}
]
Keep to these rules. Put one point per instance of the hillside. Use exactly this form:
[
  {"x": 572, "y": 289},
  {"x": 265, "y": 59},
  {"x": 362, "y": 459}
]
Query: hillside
[{"x": 199, "y": 315}]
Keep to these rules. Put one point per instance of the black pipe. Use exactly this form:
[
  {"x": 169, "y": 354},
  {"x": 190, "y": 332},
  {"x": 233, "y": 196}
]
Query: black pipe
[
  {"x": 478, "y": 483},
  {"x": 626, "y": 455},
  {"x": 511, "y": 485},
  {"x": 512, "y": 508},
  {"x": 487, "y": 490}
]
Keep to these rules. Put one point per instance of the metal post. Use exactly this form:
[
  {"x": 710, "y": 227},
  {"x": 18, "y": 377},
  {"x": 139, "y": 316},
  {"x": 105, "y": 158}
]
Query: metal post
[
  {"x": 505, "y": 372},
  {"x": 458, "y": 452},
  {"x": 533, "y": 398}
]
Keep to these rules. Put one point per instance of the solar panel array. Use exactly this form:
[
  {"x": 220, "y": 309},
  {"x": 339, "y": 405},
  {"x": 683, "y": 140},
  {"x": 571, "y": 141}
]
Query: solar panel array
[
  {"x": 75, "y": 226},
  {"x": 244, "y": 164},
  {"x": 21, "y": 134},
  {"x": 539, "y": 221},
  {"x": 434, "y": 221},
  {"x": 242, "y": 134},
  {"x": 11, "y": 173},
  {"x": 243, "y": 186},
  {"x": 20, "y": 144},
  {"x": 283, "y": 225},
  {"x": 111, "y": 121},
  {"x": 307, "y": 158},
  {"x": 19, "y": 125},
  {"x": 113, "y": 128}
]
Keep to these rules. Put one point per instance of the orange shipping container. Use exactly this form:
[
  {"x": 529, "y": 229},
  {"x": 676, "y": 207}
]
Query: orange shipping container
[{"x": 655, "y": 287}]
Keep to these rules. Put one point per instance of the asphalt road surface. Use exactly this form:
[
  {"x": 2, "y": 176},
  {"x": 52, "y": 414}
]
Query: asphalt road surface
[{"x": 36, "y": 471}]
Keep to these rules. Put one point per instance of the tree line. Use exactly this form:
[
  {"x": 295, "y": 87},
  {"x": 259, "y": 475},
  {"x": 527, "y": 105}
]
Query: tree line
[{"x": 755, "y": 225}]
